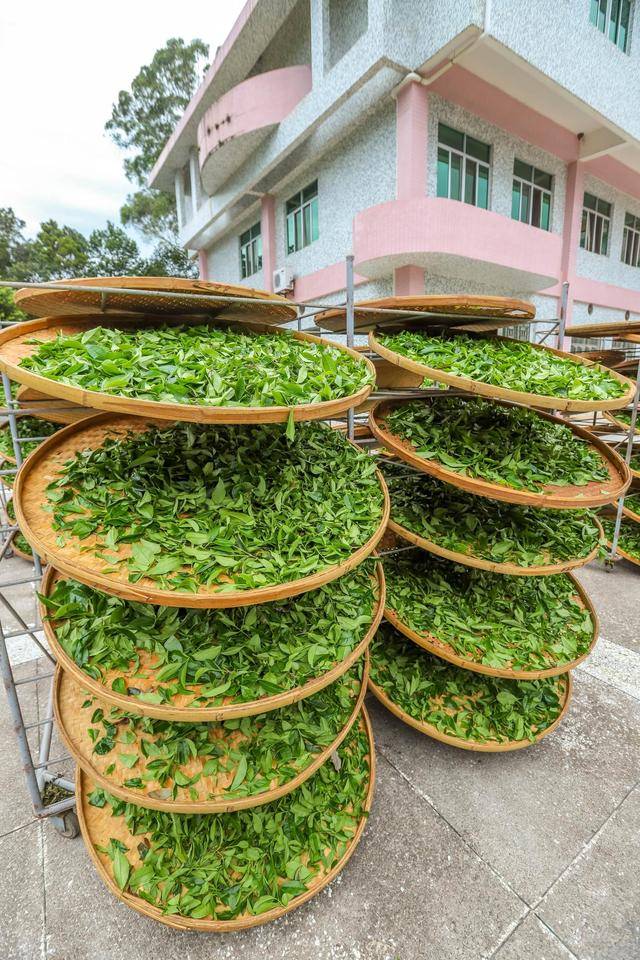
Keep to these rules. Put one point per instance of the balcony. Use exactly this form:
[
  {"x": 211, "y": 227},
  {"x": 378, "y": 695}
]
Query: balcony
[
  {"x": 450, "y": 238},
  {"x": 242, "y": 118}
]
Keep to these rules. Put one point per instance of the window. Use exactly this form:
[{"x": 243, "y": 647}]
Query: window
[
  {"x": 531, "y": 195},
  {"x": 302, "y": 218},
  {"x": 250, "y": 251},
  {"x": 631, "y": 240},
  {"x": 463, "y": 167},
  {"x": 612, "y": 17},
  {"x": 596, "y": 225}
]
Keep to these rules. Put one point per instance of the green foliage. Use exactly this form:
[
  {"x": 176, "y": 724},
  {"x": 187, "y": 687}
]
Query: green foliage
[
  {"x": 513, "y": 364},
  {"x": 11, "y": 241},
  {"x": 511, "y": 446},
  {"x": 57, "y": 252},
  {"x": 153, "y": 213},
  {"x": 629, "y": 539},
  {"x": 523, "y": 623},
  {"x": 113, "y": 253},
  {"x": 8, "y": 309},
  {"x": 248, "y": 861},
  {"x": 208, "y": 365},
  {"x": 461, "y": 703},
  {"x": 486, "y": 529},
  {"x": 28, "y": 427},
  {"x": 213, "y": 656}
]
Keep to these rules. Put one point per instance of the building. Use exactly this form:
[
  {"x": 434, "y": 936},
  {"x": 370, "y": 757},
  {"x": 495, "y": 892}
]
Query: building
[{"x": 480, "y": 146}]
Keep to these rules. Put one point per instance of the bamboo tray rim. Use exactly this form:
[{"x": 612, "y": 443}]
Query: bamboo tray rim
[
  {"x": 483, "y": 389},
  {"x": 509, "y": 569},
  {"x": 50, "y": 408},
  {"x": 625, "y": 554},
  {"x": 219, "y": 805},
  {"x": 494, "y": 491},
  {"x": 239, "y": 923},
  {"x": 17, "y": 552},
  {"x": 443, "y": 650},
  {"x": 488, "y": 747},
  {"x": 449, "y": 307},
  {"x": 115, "y": 584},
  {"x": 19, "y": 334},
  {"x": 630, "y": 514},
  {"x": 230, "y": 711},
  {"x": 619, "y": 423}
]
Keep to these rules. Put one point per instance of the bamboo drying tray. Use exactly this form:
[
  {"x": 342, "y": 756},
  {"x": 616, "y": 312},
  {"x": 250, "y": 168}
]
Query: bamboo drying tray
[
  {"x": 98, "y": 826},
  {"x": 492, "y": 746},
  {"x": 611, "y": 417},
  {"x": 483, "y": 389},
  {"x": 184, "y": 296},
  {"x": 49, "y": 408},
  {"x": 623, "y": 553},
  {"x": 593, "y": 494},
  {"x": 17, "y": 552},
  {"x": 76, "y": 560},
  {"x": 73, "y": 721},
  {"x": 452, "y": 311},
  {"x": 606, "y": 329},
  {"x": 511, "y": 569},
  {"x": 179, "y": 709},
  {"x": 15, "y": 346},
  {"x": 631, "y": 514},
  {"x": 608, "y": 358},
  {"x": 440, "y": 648}
]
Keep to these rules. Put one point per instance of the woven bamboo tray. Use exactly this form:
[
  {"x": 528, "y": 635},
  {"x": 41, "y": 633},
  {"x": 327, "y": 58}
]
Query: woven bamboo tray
[
  {"x": 511, "y": 569},
  {"x": 611, "y": 417},
  {"x": 452, "y": 311},
  {"x": 608, "y": 358},
  {"x": 98, "y": 826},
  {"x": 483, "y": 389},
  {"x": 489, "y": 747},
  {"x": 17, "y": 552},
  {"x": 73, "y": 721},
  {"x": 15, "y": 346},
  {"x": 180, "y": 710},
  {"x": 568, "y": 497},
  {"x": 49, "y": 408},
  {"x": 439, "y": 648},
  {"x": 76, "y": 559},
  {"x": 624, "y": 554},
  {"x": 606, "y": 329},
  {"x": 631, "y": 514},
  {"x": 183, "y": 298}
]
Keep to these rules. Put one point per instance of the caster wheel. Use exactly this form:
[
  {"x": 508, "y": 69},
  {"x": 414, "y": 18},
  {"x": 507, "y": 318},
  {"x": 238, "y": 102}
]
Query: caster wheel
[{"x": 67, "y": 825}]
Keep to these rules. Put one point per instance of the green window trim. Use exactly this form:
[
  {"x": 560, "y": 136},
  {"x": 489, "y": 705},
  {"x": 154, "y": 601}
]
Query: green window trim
[
  {"x": 250, "y": 251},
  {"x": 302, "y": 218},
  {"x": 613, "y": 18},
  {"x": 596, "y": 225},
  {"x": 463, "y": 167},
  {"x": 531, "y": 195},
  {"x": 631, "y": 240}
]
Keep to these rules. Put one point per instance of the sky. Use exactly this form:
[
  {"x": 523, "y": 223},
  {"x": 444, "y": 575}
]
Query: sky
[{"x": 60, "y": 73}]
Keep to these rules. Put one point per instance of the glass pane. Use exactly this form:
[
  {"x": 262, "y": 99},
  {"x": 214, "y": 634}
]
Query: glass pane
[
  {"x": 311, "y": 191},
  {"x": 604, "y": 242},
  {"x": 623, "y": 32},
  {"x": 536, "y": 207},
  {"x": 470, "y": 181},
  {"x": 524, "y": 170},
  {"x": 515, "y": 201},
  {"x": 450, "y": 137},
  {"x": 604, "y": 208},
  {"x": 259, "y": 253},
  {"x": 299, "y": 233},
  {"x": 306, "y": 212},
  {"x": 456, "y": 177},
  {"x": 542, "y": 179},
  {"x": 315, "y": 228},
  {"x": 291, "y": 233},
  {"x": 590, "y": 201},
  {"x": 583, "y": 230},
  {"x": 526, "y": 203},
  {"x": 628, "y": 219},
  {"x": 443, "y": 173},
  {"x": 602, "y": 15},
  {"x": 635, "y": 252},
  {"x": 613, "y": 20},
  {"x": 483, "y": 187},
  {"x": 294, "y": 203},
  {"x": 593, "y": 12},
  {"x": 478, "y": 149},
  {"x": 244, "y": 238},
  {"x": 545, "y": 213}
]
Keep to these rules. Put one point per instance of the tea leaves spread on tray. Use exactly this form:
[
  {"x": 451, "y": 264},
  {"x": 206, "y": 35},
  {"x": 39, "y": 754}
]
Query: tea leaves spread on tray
[
  {"x": 220, "y": 760},
  {"x": 511, "y": 446},
  {"x": 27, "y": 427},
  {"x": 524, "y": 623},
  {"x": 482, "y": 528},
  {"x": 224, "y": 506},
  {"x": 210, "y": 365},
  {"x": 210, "y": 657},
  {"x": 629, "y": 538},
  {"x": 458, "y": 702},
  {"x": 19, "y": 540},
  {"x": 512, "y": 364},
  {"x": 632, "y": 502},
  {"x": 249, "y": 861}
]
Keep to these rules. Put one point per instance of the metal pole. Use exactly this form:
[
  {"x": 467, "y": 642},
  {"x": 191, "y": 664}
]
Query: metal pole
[
  {"x": 563, "y": 315},
  {"x": 350, "y": 334},
  {"x": 18, "y": 726},
  {"x": 627, "y": 458}
]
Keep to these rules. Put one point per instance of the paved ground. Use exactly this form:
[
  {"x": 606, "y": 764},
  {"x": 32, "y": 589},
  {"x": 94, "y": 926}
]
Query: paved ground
[{"x": 526, "y": 856}]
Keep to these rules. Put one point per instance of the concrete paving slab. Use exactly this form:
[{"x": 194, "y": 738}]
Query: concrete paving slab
[
  {"x": 610, "y": 593},
  {"x": 22, "y": 925},
  {"x": 528, "y": 813},
  {"x": 532, "y": 940},
  {"x": 615, "y": 664},
  {"x": 15, "y": 805},
  {"x": 595, "y": 906},
  {"x": 412, "y": 890}
]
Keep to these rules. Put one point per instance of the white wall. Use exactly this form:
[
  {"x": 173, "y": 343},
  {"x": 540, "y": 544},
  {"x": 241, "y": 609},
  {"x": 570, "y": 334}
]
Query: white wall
[{"x": 610, "y": 269}]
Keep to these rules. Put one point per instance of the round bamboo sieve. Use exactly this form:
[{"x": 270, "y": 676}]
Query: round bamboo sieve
[
  {"x": 617, "y": 422},
  {"x": 569, "y": 497},
  {"x": 180, "y": 710},
  {"x": 50, "y": 408},
  {"x": 98, "y": 826},
  {"x": 76, "y": 558}
]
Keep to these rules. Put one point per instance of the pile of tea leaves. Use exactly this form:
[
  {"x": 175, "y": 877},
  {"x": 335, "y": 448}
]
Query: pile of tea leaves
[
  {"x": 457, "y": 702},
  {"x": 249, "y": 861},
  {"x": 27, "y": 427},
  {"x": 511, "y": 446},
  {"x": 225, "y": 760},
  {"x": 522, "y": 623},
  {"x": 210, "y": 657},
  {"x": 233, "y": 507},
  {"x": 634, "y": 462},
  {"x": 629, "y": 538},
  {"x": 19, "y": 540},
  {"x": 206, "y": 365},
  {"x": 512, "y": 364},
  {"x": 483, "y": 528},
  {"x": 632, "y": 502}
]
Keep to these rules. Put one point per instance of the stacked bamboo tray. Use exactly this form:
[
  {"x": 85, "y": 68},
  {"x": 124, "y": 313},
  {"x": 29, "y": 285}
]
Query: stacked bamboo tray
[
  {"x": 195, "y": 752},
  {"x": 429, "y": 662}
]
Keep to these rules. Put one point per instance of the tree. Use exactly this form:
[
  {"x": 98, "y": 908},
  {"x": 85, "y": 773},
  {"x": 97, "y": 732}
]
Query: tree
[
  {"x": 11, "y": 240},
  {"x": 170, "y": 260},
  {"x": 57, "y": 252},
  {"x": 8, "y": 309},
  {"x": 153, "y": 213},
  {"x": 112, "y": 253}
]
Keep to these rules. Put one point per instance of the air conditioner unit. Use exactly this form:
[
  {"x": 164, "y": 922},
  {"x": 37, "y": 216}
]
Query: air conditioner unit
[{"x": 282, "y": 280}]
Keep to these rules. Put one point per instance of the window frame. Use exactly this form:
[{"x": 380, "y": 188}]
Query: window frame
[
  {"x": 592, "y": 226},
  {"x": 607, "y": 17},
  {"x": 302, "y": 218},
  {"x": 631, "y": 240},
  {"x": 533, "y": 188},
  {"x": 465, "y": 158},
  {"x": 250, "y": 241}
]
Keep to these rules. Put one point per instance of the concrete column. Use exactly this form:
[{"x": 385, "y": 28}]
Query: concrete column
[
  {"x": 318, "y": 18},
  {"x": 268, "y": 231},
  {"x": 412, "y": 113},
  {"x": 179, "y": 188},
  {"x": 571, "y": 228},
  {"x": 203, "y": 264},
  {"x": 194, "y": 178}
]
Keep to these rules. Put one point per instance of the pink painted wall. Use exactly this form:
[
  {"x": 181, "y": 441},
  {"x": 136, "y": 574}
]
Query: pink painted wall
[
  {"x": 408, "y": 281},
  {"x": 412, "y": 115},
  {"x": 322, "y": 282},
  {"x": 203, "y": 266}
]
